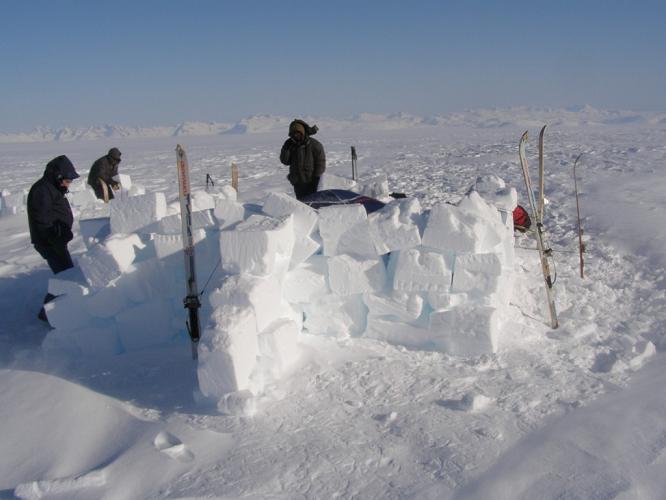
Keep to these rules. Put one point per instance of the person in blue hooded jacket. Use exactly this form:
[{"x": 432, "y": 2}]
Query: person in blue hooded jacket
[{"x": 50, "y": 217}]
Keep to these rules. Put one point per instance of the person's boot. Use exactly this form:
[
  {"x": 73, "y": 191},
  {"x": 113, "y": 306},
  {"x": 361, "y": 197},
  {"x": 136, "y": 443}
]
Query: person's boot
[{"x": 42, "y": 315}]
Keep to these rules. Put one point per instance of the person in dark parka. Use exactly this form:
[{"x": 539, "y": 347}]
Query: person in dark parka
[
  {"x": 305, "y": 157},
  {"x": 105, "y": 169},
  {"x": 50, "y": 217}
]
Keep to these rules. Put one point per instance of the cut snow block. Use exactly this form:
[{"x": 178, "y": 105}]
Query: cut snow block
[
  {"x": 472, "y": 202},
  {"x": 344, "y": 230},
  {"x": 172, "y": 224},
  {"x": 478, "y": 275},
  {"x": 83, "y": 197},
  {"x": 228, "y": 212},
  {"x": 68, "y": 282},
  {"x": 146, "y": 280},
  {"x": 13, "y": 203},
  {"x": 335, "y": 316},
  {"x": 467, "y": 330},
  {"x": 304, "y": 249},
  {"x": 92, "y": 341},
  {"x": 228, "y": 352},
  {"x": 399, "y": 305},
  {"x": 105, "y": 262},
  {"x": 452, "y": 228},
  {"x": 494, "y": 190},
  {"x": 278, "y": 347},
  {"x": 201, "y": 200},
  {"x": 307, "y": 281},
  {"x": 125, "y": 181},
  {"x": 374, "y": 187},
  {"x": 440, "y": 301},
  {"x": 253, "y": 246},
  {"x": 107, "y": 302},
  {"x": 348, "y": 275},
  {"x": 280, "y": 204},
  {"x": 137, "y": 213},
  {"x": 420, "y": 269},
  {"x": 147, "y": 325},
  {"x": 394, "y": 227},
  {"x": 67, "y": 312},
  {"x": 169, "y": 244},
  {"x": 398, "y": 333},
  {"x": 262, "y": 294},
  {"x": 225, "y": 192},
  {"x": 94, "y": 230},
  {"x": 330, "y": 181}
]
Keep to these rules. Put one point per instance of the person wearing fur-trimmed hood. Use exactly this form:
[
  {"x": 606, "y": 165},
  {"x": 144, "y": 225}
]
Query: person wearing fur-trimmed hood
[{"x": 305, "y": 157}]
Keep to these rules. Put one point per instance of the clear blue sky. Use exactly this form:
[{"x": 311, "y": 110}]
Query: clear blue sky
[{"x": 162, "y": 62}]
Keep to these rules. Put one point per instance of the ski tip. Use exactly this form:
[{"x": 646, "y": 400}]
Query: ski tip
[
  {"x": 524, "y": 136},
  {"x": 543, "y": 129}
]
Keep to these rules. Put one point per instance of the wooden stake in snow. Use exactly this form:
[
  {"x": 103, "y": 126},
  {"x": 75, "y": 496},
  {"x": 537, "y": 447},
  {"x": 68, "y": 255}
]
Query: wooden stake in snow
[{"x": 234, "y": 176}]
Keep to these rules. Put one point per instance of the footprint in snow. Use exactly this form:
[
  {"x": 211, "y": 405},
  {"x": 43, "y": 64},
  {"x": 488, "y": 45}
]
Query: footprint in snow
[{"x": 173, "y": 447}]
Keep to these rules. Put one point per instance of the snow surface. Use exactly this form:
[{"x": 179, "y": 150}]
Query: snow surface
[{"x": 569, "y": 413}]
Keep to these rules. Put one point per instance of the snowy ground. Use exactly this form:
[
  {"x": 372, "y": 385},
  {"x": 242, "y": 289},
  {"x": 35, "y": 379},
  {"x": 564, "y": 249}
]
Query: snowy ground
[{"x": 571, "y": 413}]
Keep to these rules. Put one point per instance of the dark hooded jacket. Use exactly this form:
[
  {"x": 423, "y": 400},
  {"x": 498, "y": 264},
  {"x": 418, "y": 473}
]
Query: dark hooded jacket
[
  {"x": 49, "y": 214},
  {"x": 105, "y": 168},
  {"x": 306, "y": 159}
]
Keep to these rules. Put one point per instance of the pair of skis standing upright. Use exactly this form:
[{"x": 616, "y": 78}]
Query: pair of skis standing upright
[{"x": 537, "y": 209}]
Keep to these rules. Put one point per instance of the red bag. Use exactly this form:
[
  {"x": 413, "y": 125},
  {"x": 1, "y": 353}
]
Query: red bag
[{"x": 521, "y": 219}]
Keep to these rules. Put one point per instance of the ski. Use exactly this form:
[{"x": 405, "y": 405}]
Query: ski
[
  {"x": 542, "y": 199},
  {"x": 544, "y": 252},
  {"x": 354, "y": 158},
  {"x": 581, "y": 245},
  {"x": 191, "y": 301}
]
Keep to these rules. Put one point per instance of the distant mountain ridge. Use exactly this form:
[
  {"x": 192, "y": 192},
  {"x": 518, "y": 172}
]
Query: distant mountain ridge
[{"x": 482, "y": 118}]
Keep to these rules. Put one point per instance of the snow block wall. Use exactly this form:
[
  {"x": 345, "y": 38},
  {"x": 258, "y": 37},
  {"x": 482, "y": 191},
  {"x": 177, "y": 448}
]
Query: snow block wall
[{"x": 426, "y": 279}]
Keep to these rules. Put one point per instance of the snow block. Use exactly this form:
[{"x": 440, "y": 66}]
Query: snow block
[
  {"x": 225, "y": 192},
  {"x": 347, "y": 275},
  {"x": 477, "y": 274},
  {"x": 335, "y": 316},
  {"x": 107, "y": 302},
  {"x": 13, "y": 203},
  {"x": 399, "y": 305},
  {"x": 394, "y": 227},
  {"x": 87, "y": 341},
  {"x": 399, "y": 333},
  {"x": 67, "y": 312},
  {"x": 228, "y": 352},
  {"x": 304, "y": 249},
  {"x": 344, "y": 230},
  {"x": 94, "y": 230},
  {"x": 68, "y": 282},
  {"x": 105, "y": 262},
  {"x": 440, "y": 301},
  {"x": 420, "y": 269},
  {"x": 228, "y": 212},
  {"x": 262, "y": 294},
  {"x": 83, "y": 198},
  {"x": 201, "y": 200},
  {"x": 146, "y": 325},
  {"x": 452, "y": 228},
  {"x": 137, "y": 213},
  {"x": 467, "y": 330},
  {"x": 307, "y": 282},
  {"x": 330, "y": 181},
  {"x": 172, "y": 224},
  {"x": 125, "y": 181},
  {"x": 169, "y": 244},
  {"x": 278, "y": 347},
  {"x": 374, "y": 187},
  {"x": 254, "y": 245},
  {"x": 494, "y": 190},
  {"x": 280, "y": 204}
]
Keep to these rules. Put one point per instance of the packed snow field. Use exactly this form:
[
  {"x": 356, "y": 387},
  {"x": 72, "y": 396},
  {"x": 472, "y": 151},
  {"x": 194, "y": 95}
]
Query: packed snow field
[{"x": 575, "y": 412}]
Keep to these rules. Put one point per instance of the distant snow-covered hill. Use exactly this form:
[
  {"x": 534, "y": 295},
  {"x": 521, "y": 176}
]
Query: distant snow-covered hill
[{"x": 577, "y": 116}]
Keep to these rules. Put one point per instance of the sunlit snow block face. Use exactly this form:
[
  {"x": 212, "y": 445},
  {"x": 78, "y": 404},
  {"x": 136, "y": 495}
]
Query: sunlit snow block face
[
  {"x": 344, "y": 230},
  {"x": 280, "y": 204},
  {"x": 172, "y": 224},
  {"x": 307, "y": 282},
  {"x": 375, "y": 187},
  {"x": 398, "y": 305},
  {"x": 169, "y": 244},
  {"x": 452, "y": 228},
  {"x": 13, "y": 203},
  {"x": 105, "y": 262},
  {"x": 228, "y": 212},
  {"x": 335, "y": 316},
  {"x": 68, "y": 282},
  {"x": 476, "y": 274},
  {"x": 147, "y": 325},
  {"x": 348, "y": 275},
  {"x": 466, "y": 330},
  {"x": 83, "y": 198},
  {"x": 278, "y": 347},
  {"x": 330, "y": 181},
  {"x": 262, "y": 294},
  {"x": 304, "y": 249},
  {"x": 228, "y": 352},
  {"x": 201, "y": 200},
  {"x": 137, "y": 213},
  {"x": 420, "y": 269},
  {"x": 125, "y": 181},
  {"x": 398, "y": 333},
  {"x": 107, "y": 302},
  {"x": 395, "y": 227},
  {"x": 225, "y": 192},
  {"x": 494, "y": 190},
  {"x": 256, "y": 245}
]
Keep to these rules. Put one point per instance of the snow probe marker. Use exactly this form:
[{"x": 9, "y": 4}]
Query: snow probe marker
[
  {"x": 354, "y": 158},
  {"x": 544, "y": 252},
  {"x": 191, "y": 301},
  {"x": 234, "y": 176},
  {"x": 581, "y": 245}
]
